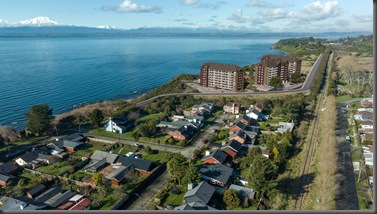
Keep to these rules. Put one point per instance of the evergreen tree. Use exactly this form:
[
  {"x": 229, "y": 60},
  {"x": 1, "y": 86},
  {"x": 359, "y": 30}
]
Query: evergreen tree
[
  {"x": 177, "y": 167},
  {"x": 39, "y": 119},
  {"x": 96, "y": 117},
  {"x": 231, "y": 199},
  {"x": 276, "y": 82},
  {"x": 191, "y": 176}
]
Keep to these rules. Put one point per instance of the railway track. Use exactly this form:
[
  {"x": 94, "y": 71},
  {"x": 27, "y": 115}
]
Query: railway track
[{"x": 301, "y": 193}]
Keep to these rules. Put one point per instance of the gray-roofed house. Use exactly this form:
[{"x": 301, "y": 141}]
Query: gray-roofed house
[
  {"x": 144, "y": 167},
  {"x": 76, "y": 137},
  {"x": 34, "y": 158},
  {"x": 195, "y": 206},
  {"x": 4, "y": 179},
  {"x": 20, "y": 203},
  {"x": 8, "y": 168},
  {"x": 203, "y": 193},
  {"x": 232, "y": 148},
  {"x": 117, "y": 176},
  {"x": 216, "y": 174},
  {"x": 60, "y": 146},
  {"x": 99, "y": 155},
  {"x": 117, "y": 124},
  {"x": 47, "y": 195},
  {"x": 96, "y": 166},
  {"x": 182, "y": 133},
  {"x": 64, "y": 197},
  {"x": 34, "y": 192}
]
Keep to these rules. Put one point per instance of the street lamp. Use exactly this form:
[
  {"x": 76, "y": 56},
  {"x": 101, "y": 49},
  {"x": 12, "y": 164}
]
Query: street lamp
[{"x": 142, "y": 202}]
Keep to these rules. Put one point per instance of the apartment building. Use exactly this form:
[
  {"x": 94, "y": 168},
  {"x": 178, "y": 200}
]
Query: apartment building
[
  {"x": 274, "y": 65},
  {"x": 222, "y": 76}
]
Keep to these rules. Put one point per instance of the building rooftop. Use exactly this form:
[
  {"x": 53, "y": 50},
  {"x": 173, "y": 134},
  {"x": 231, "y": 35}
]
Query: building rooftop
[{"x": 223, "y": 67}]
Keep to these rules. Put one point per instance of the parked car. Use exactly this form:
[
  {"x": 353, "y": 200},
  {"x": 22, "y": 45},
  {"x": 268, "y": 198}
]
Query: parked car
[
  {"x": 204, "y": 141},
  {"x": 348, "y": 138}
]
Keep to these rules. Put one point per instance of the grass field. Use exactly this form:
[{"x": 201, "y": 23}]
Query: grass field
[
  {"x": 149, "y": 116},
  {"x": 173, "y": 199},
  {"x": 56, "y": 168}
]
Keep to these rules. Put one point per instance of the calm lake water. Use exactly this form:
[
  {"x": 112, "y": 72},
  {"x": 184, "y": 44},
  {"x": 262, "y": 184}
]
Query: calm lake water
[{"x": 66, "y": 71}]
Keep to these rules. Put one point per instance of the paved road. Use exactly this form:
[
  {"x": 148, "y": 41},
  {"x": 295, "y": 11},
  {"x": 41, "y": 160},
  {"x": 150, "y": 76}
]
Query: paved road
[
  {"x": 346, "y": 198},
  {"x": 305, "y": 87}
]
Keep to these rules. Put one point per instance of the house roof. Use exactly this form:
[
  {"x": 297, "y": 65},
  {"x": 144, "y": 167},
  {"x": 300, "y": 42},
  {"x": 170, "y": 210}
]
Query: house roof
[
  {"x": 76, "y": 137},
  {"x": 203, "y": 191},
  {"x": 255, "y": 112},
  {"x": 48, "y": 194},
  {"x": 81, "y": 204},
  {"x": 118, "y": 173},
  {"x": 234, "y": 145},
  {"x": 5, "y": 178},
  {"x": 119, "y": 120},
  {"x": 186, "y": 131},
  {"x": 59, "y": 144},
  {"x": 216, "y": 171},
  {"x": 16, "y": 203},
  {"x": 36, "y": 189},
  {"x": 95, "y": 165},
  {"x": 138, "y": 163},
  {"x": 63, "y": 198},
  {"x": 243, "y": 191},
  {"x": 99, "y": 155},
  {"x": 28, "y": 157},
  {"x": 7, "y": 167},
  {"x": 222, "y": 67},
  {"x": 65, "y": 206},
  {"x": 240, "y": 125},
  {"x": 366, "y": 122},
  {"x": 216, "y": 154}
]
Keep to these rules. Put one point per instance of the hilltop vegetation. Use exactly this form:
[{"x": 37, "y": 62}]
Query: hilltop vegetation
[{"x": 301, "y": 46}]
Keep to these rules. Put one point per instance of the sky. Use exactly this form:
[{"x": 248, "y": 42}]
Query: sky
[{"x": 254, "y": 15}]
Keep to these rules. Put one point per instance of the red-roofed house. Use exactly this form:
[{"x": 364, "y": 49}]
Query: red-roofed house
[{"x": 84, "y": 204}]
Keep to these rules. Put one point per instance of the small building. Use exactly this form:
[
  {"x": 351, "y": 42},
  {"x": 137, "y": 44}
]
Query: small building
[
  {"x": 20, "y": 203},
  {"x": 202, "y": 193},
  {"x": 232, "y": 149},
  {"x": 285, "y": 126},
  {"x": 256, "y": 115},
  {"x": 195, "y": 206},
  {"x": 232, "y": 108},
  {"x": 76, "y": 137},
  {"x": 367, "y": 102},
  {"x": 5, "y": 179},
  {"x": 96, "y": 166},
  {"x": 243, "y": 192},
  {"x": 117, "y": 124},
  {"x": 34, "y": 192},
  {"x": 216, "y": 174},
  {"x": 117, "y": 176},
  {"x": 8, "y": 168},
  {"x": 60, "y": 146},
  {"x": 99, "y": 155},
  {"x": 216, "y": 156},
  {"x": 366, "y": 124},
  {"x": 48, "y": 195},
  {"x": 34, "y": 158},
  {"x": 182, "y": 133},
  {"x": 195, "y": 119},
  {"x": 142, "y": 166}
]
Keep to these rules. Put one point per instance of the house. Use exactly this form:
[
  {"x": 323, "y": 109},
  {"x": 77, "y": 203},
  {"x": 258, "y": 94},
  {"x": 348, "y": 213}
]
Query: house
[
  {"x": 117, "y": 124},
  {"x": 232, "y": 149},
  {"x": 202, "y": 109},
  {"x": 8, "y": 168},
  {"x": 65, "y": 206},
  {"x": 195, "y": 206},
  {"x": 4, "y": 179},
  {"x": 216, "y": 174},
  {"x": 60, "y": 198},
  {"x": 248, "y": 121},
  {"x": 258, "y": 107},
  {"x": 195, "y": 119},
  {"x": 48, "y": 195},
  {"x": 182, "y": 133},
  {"x": 117, "y": 176},
  {"x": 367, "y": 102},
  {"x": 76, "y": 137},
  {"x": 243, "y": 192},
  {"x": 254, "y": 114},
  {"x": 238, "y": 126},
  {"x": 20, "y": 203},
  {"x": 367, "y": 136},
  {"x": 366, "y": 124},
  {"x": 99, "y": 155},
  {"x": 177, "y": 124},
  {"x": 242, "y": 136},
  {"x": 142, "y": 166},
  {"x": 202, "y": 193},
  {"x": 34, "y": 192},
  {"x": 368, "y": 157},
  {"x": 96, "y": 166},
  {"x": 284, "y": 127},
  {"x": 232, "y": 108},
  {"x": 264, "y": 150},
  {"x": 34, "y": 158},
  {"x": 59, "y": 146},
  {"x": 216, "y": 156},
  {"x": 83, "y": 204}
]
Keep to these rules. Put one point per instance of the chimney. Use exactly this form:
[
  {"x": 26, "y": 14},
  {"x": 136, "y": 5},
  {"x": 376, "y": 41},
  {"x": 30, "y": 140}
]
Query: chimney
[
  {"x": 190, "y": 186},
  {"x": 207, "y": 152}
]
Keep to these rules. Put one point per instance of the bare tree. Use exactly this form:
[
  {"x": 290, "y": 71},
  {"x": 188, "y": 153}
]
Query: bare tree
[{"x": 8, "y": 134}]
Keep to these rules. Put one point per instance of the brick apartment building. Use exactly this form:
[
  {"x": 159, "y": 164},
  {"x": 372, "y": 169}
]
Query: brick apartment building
[
  {"x": 274, "y": 65},
  {"x": 222, "y": 76}
]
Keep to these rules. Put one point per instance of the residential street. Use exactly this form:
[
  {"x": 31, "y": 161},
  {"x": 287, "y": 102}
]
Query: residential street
[{"x": 346, "y": 198}]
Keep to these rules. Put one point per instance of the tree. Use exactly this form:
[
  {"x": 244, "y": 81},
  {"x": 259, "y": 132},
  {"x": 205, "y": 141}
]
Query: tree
[
  {"x": 262, "y": 176},
  {"x": 96, "y": 117},
  {"x": 39, "y": 119},
  {"x": 148, "y": 150},
  {"x": 276, "y": 82},
  {"x": 98, "y": 179},
  {"x": 191, "y": 176},
  {"x": 176, "y": 167},
  {"x": 296, "y": 77},
  {"x": 231, "y": 199},
  {"x": 7, "y": 135}
]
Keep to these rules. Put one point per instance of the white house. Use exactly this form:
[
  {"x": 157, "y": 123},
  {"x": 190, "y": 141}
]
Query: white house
[
  {"x": 118, "y": 125},
  {"x": 255, "y": 114},
  {"x": 367, "y": 124}
]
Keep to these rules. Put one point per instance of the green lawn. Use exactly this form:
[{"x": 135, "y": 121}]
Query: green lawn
[
  {"x": 149, "y": 116},
  {"x": 24, "y": 142},
  {"x": 172, "y": 199},
  {"x": 343, "y": 98},
  {"x": 162, "y": 138},
  {"x": 56, "y": 168},
  {"x": 102, "y": 132},
  {"x": 81, "y": 175},
  {"x": 159, "y": 157},
  {"x": 124, "y": 150}
]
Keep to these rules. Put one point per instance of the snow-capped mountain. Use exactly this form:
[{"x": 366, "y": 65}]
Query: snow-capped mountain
[
  {"x": 107, "y": 27},
  {"x": 40, "y": 21}
]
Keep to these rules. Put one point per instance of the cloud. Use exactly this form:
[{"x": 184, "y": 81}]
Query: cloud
[
  {"x": 212, "y": 6},
  {"x": 127, "y": 6},
  {"x": 260, "y": 3},
  {"x": 365, "y": 18},
  {"x": 4, "y": 22},
  {"x": 239, "y": 17},
  {"x": 180, "y": 20},
  {"x": 317, "y": 11},
  {"x": 189, "y": 2},
  {"x": 273, "y": 14}
]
